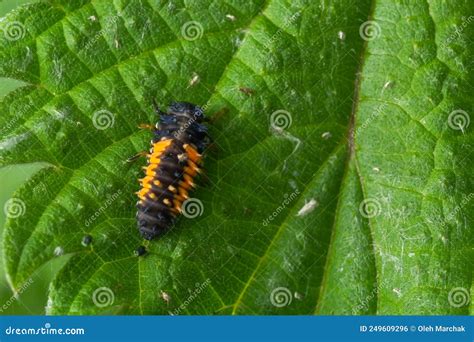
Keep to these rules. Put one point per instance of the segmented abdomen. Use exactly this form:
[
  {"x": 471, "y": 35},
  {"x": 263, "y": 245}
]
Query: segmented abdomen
[{"x": 169, "y": 176}]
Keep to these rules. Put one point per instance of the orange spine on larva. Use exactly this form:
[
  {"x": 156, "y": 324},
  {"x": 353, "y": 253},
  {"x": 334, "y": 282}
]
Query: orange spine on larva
[{"x": 151, "y": 169}]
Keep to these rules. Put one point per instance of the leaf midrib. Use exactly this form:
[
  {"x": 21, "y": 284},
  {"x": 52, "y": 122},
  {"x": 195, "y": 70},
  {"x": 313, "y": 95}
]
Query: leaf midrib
[{"x": 351, "y": 156}]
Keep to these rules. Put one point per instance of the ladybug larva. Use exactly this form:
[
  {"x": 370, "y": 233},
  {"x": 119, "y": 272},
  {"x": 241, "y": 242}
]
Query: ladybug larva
[{"x": 174, "y": 160}]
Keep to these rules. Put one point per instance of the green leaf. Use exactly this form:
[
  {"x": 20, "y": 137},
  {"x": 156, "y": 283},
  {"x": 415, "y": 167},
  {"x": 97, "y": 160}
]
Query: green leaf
[{"x": 341, "y": 178}]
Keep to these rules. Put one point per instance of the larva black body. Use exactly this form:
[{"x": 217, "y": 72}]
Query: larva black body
[{"x": 173, "y": 162}]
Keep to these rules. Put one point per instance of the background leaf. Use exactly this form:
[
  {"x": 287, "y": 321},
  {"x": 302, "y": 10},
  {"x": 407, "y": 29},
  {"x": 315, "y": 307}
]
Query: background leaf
[{"x": 340, "y": 182}]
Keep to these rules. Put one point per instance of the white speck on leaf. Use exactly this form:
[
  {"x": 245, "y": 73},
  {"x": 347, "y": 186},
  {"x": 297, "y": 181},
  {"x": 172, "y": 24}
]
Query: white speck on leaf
[
  {"x": 194, "y": 80},
  {"x": 326, "y": 135},
  {"x": 230, "y": 17},
  {"x": 165, "y": 296},
  {"x": 397, "y": 291},
  {"x": 341, "y": 35},
  {"x": 387, "y": 85},
  {"x": 58, "y": 251},
  {"x": 308, "y": 207}
]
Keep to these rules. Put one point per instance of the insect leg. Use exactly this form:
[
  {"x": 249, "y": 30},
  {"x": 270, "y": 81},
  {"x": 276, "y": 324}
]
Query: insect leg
[
  {"x": 157, "y": 108},
  {"x": 146, "y": 126},
  {"x": 136, "y": 156}
]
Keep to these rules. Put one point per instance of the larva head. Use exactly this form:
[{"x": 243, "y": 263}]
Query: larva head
[{"x": 187, "y": 110}]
